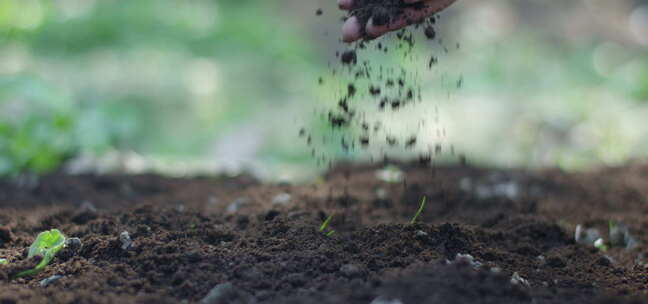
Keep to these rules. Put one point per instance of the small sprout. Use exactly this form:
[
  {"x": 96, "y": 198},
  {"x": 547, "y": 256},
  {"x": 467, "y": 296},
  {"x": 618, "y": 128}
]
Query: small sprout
[
  {"x": 600, "y": 245},
  {"x": 325, "y": 224},
  {"x": 3, "y": 262},
  {"x": 413, "y": 221},
  {"x": 46, "y": 245}
]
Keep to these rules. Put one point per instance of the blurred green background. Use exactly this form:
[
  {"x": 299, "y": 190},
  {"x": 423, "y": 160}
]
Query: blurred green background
[{"x": 205, "y": 86}]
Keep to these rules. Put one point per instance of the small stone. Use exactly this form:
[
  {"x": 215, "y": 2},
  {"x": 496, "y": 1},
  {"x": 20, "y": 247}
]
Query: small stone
[
  {"x": 421, "y": 233},
  {"x": 383, "y": 300},
  {"x": 235, "y": 205},
  {"x": 586, "y": 236},
  {"x": 281, "y": 199},
  {"x": 71, "y": 247},
  {"x": 351, "y": 270},
  {"x": 74, "y": 243},
  {"x": 467, "y": 259},
  {"x": 88, "y": 206},
  {"x": 46, "y": 282},
  {"x": 126, "y": 240},
  {"x": 226, "y": 293},
  {"x": 516, "y": 279}
]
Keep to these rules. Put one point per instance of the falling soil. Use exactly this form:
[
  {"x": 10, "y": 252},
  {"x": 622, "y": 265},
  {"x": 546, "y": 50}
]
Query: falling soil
[
  {"x": 484, "y": 236},
  {"x": 376, "y": 80}
]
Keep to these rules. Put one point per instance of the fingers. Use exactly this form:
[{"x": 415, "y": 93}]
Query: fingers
[
  {"x": 351, "y": 30},
  {"x": 345, "y": 4},
  {"x": 409, "y": 17}
]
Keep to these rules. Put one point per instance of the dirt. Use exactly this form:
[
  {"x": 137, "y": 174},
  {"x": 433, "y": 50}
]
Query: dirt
[
  {"x": 368, "y": 90},
  {"x": 382, "y": 12},
  {"x": 262, "y": 243}
]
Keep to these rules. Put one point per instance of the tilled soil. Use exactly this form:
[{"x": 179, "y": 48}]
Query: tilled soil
[{"x": 248, "y": 242}]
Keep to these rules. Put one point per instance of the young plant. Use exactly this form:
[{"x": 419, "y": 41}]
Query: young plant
[
  {"x": 3, "y": 262},
  {"x": 46, "y": 245},
  {"x": 325, "y": 224},
  {"x": 420, "y": 210},
  {"x": 600, "y": 245}
]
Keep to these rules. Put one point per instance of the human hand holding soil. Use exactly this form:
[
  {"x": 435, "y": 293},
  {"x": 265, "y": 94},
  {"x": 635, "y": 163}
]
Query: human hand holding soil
[{"x": 374, "y": 18}]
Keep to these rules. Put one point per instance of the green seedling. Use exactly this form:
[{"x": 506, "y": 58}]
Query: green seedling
[
  {"x": 325, "y": 224},
  {"x": 46, "y": 245},
  {"x": 3, "y": 262},
  {"x": 420, "y": 210},
  {"x": 600, "y": 245}
]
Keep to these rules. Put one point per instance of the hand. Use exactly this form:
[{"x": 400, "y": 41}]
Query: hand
[{"x": 352, "y": 29}]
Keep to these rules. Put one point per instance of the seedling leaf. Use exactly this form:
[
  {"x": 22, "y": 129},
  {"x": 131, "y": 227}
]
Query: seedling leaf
[
  {"x": 420, "y": 210},
  {"x": 325, "y": 223},
  {"x": 330, "y": 233},
  {"x": 3, "y": 262},
  {"x": 47, "y": 244},
  {"x": 600, "y": 245}
]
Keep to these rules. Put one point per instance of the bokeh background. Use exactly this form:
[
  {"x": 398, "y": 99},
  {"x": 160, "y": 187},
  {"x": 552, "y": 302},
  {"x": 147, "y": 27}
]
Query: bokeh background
[{"x": 209, "y": 86}]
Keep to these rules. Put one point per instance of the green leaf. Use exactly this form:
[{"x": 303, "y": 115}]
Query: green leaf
[
  {"x": 3, "y": 262},
  {"x": 47, "y": 244},
  {"x": 420, "y": 209},
  {"x": 325, "y": 223}
]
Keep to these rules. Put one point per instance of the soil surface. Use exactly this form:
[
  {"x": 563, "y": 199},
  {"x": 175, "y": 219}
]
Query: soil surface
[{"x": 234, "y": 240}]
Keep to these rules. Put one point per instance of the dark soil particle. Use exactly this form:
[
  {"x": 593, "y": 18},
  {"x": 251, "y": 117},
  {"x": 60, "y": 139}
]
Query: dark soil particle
[
  {"x": 349, "y": 57},
  {"x": 430, "y": 33},
  {"x": 186, "y": 242}
]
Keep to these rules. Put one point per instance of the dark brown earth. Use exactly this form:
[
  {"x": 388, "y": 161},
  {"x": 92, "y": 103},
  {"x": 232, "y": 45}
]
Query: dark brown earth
[
  {"x": 382, "y": 12},
  {"x": 190, "y": 235}
]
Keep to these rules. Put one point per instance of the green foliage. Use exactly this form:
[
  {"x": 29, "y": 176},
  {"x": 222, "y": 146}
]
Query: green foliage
[
  {"x": 322, "y": 228},
  {"x": 46, "y": 245},
  {"x": 413, "y": 221},
  {"x": 3, "y": 262},
  {"x": 140, "y": 76}
]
